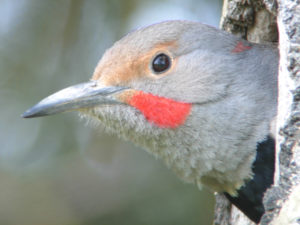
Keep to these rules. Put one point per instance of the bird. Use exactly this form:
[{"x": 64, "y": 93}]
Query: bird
[{"x": 201, "y": 99}]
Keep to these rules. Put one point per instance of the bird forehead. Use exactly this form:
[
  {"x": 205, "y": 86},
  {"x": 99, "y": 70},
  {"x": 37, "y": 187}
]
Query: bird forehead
[{"x": 122, "y": 63}]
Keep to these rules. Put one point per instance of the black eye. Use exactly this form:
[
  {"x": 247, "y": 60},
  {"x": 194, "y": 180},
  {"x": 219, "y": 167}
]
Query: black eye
[{"x": 161, "y": 63}]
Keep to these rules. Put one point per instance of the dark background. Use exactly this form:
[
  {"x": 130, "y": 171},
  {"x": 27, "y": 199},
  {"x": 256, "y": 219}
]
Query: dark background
[{"x": 58, "y": 170}]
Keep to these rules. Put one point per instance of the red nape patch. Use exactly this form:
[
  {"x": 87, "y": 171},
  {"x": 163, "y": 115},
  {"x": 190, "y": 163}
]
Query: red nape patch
[
  {"x": 163, "y": 112},
  {"x": 240, "y": 47}
]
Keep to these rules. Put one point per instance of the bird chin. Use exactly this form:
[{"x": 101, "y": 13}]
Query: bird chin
[
  {"x": 108, "y": 118},
  {"x": 89, "y": 117}
]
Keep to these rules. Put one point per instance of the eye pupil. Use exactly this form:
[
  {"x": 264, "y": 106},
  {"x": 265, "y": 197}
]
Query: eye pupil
[{"x": 161, "y": 63}]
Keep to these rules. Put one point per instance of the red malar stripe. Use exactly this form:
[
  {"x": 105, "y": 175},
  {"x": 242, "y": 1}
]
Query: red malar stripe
[{"x": 163, "y": 112}]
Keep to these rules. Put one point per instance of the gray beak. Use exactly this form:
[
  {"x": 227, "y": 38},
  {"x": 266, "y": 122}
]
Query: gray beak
[{"x": 82, "y": 95}]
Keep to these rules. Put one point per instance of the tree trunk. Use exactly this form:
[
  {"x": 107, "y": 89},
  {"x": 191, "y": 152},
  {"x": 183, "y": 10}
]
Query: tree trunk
[{"x": 256, "y": 21}]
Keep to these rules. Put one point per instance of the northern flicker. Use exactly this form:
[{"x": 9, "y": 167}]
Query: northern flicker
[{"x": 197, "y": 97}]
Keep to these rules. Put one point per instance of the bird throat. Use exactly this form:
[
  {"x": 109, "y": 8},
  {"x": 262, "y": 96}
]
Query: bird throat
[{"x": 163, "y": 112}]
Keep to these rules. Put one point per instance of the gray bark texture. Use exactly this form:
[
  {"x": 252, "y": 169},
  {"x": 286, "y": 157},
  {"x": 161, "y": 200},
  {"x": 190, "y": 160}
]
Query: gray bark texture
[{"x": 257, "y": 21}]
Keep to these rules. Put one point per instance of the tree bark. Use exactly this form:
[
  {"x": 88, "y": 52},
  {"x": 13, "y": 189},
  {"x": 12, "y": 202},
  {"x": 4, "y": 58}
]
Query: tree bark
[
  {"x": 253, "y": 20},
  {"x": 256, "y": 21},
  {"x": 282, "y": 201}
]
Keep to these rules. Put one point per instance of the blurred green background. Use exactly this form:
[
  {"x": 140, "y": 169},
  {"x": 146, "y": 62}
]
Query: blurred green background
[{"x": 58, "y": 170}]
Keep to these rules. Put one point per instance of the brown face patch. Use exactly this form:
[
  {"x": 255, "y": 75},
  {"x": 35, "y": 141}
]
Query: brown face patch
[
  {"x": 119, "y": 69},
  {"x": 126, "y": 95}
]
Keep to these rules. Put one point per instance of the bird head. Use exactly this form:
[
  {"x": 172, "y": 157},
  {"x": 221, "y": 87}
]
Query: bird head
[
  {"x": 174, "y": 88},
  {"x": 156, "y": 68}
]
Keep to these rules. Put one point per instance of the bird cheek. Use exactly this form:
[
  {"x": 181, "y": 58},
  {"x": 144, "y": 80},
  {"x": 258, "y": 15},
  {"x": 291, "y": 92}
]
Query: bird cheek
[{"x": 160, "y": 111}]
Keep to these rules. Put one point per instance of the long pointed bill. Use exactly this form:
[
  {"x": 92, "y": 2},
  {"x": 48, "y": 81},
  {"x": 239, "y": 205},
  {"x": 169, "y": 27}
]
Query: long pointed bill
[{"x": 82, "y": 95}]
